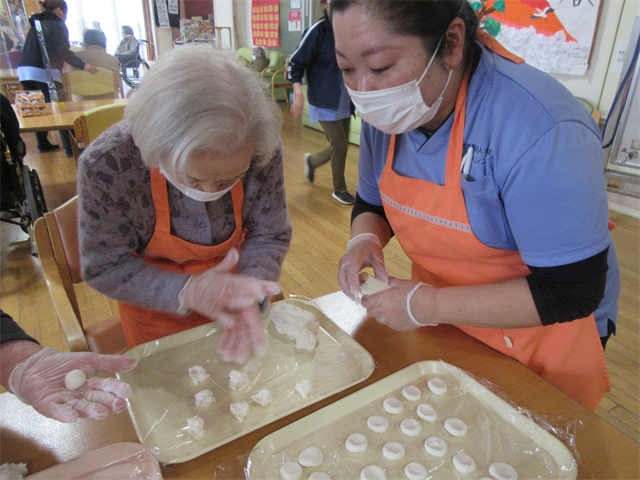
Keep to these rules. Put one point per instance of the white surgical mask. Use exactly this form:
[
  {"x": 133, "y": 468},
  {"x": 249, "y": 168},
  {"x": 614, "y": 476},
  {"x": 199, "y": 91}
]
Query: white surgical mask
[
  {"x": 254, "y": 57},
  {"x": 192, "y": 193},
  {"x": 398, "y": 109}
]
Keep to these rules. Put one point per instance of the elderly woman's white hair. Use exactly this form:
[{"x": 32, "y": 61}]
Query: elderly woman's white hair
[{"x": 197, "y": 100}]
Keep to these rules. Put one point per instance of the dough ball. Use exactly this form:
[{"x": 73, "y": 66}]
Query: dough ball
[
  {"x": 426, "y": 412},
  {"x": 437, "y": 386},
  {"x": 377, "y": 424},
  {"x": 238, "y": 380},
  {"x": 303, "y": 387},
  {"x": 204, "y": 398},
  {"x": 75, "y": 379},
  {"x": 392, "y": 405},
  {"x": 319, "y": 476},
  {"x": 455, "y": 427},
  {"x": 198, "y": 374},
  {"x": 196, "y": 427},
  {"x": 411, "y": 427},
  {"x": 310, "y": 457},
  {"x": 263, "y": 397},
  {"x": 502, "y": 471},
  {"x": 291, "y": 471},
  {"x": 373, "y": 285},
  {"x": 436, "y": 446},
  {"x": 411, "y": 393},
  {"x": 372, "y": 472},
  {"x": 240, "y": 410},
  {"x": 415, "y": 471},
  {"x": 393, "y": 451},
  {"x": 356, "y": 443},
  {"x": 298, "y": 324},
  {"x": 464, "y": 463}
]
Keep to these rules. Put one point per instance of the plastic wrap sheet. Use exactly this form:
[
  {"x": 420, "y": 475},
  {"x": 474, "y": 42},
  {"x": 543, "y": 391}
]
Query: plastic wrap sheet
[
  {"x": 120, "y": 461},
  {"x": 497, "y": 432},
  {"x": 164, "y": 393}
]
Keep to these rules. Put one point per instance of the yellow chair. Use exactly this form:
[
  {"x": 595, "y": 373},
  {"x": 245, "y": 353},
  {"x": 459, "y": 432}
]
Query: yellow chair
[
  {"x": 90, "y": 125},
  {"x": 279, "y": 79},
  {"x": 82, "y": 85},
  {"x": 56, "y": 237}
]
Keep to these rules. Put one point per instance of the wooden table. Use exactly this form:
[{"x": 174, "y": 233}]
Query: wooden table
[
  {"x": 605, "y": 452},
  {"x": 9, "y": 82},
  {"x": 60, "y": 116}
]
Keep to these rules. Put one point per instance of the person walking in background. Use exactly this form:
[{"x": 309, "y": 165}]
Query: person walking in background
[
  {"x": 128, "y": 48},
  {"x": 32, "y": 71},
  {"x": 329, "y": 101},
  {"x": 95, "y": 51}
]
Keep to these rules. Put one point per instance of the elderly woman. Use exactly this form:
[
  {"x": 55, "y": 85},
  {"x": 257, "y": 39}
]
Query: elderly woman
[
  {"x": 169, "y": 195},
  {"x": 260, "y": 60}
]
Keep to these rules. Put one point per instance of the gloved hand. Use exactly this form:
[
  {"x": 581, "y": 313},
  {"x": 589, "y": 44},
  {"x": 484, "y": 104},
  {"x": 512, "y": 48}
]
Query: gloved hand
[
  {"x": 220, "y": 295},
  {"x": 397, "y": 306},
  {"x": 364, "y": 250},
  {"x": 243, "y": 336},
  {"x": 40, "y": 382}
]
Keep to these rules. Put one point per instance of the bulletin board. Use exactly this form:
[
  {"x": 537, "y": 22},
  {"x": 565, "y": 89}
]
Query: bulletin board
[
  {"x": 553, "y": 35},
  {"x": 265, "y": 23}
]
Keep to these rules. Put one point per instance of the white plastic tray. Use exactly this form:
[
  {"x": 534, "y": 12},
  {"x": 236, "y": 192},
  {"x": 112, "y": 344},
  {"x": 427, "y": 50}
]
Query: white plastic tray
[
  {"x": 496, "y": 432},
  {"x": 163, "y": 392}
]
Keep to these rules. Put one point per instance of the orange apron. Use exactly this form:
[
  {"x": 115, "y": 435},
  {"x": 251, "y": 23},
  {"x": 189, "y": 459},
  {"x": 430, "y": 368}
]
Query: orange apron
[
  {"x": 432, "y": 226},
  {"x": 170, "y": 253}
]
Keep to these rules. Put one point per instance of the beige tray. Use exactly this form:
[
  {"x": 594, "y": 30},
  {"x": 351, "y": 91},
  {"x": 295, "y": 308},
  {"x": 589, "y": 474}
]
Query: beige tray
[
  {"x": 496, "y": 432},
  {"x": 164, "y": 393}
]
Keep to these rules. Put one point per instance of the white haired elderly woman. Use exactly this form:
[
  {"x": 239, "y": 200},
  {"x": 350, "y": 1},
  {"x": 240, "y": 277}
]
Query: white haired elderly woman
[{"x": 169, "y": 195}]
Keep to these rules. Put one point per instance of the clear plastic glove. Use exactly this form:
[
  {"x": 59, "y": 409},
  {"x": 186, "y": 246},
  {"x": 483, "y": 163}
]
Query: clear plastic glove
[
  {"x": 396, "y": 306},
  {"x": 40, "y": 382},
  {"x": 364, "y": 250},
  {"x": 221, "y": 295},
  {"x": 245, "y": 335}
]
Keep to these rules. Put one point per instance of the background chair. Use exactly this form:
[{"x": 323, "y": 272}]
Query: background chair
[
  {"x": 80, "y": 85},
  {"x": 56, "y": 236},
  {"x": 90, "y": 125},
  {"x": 280, "y": 80}
]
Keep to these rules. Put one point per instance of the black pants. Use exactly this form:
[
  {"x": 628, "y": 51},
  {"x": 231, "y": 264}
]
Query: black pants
[{"x": 43, "y": 141}]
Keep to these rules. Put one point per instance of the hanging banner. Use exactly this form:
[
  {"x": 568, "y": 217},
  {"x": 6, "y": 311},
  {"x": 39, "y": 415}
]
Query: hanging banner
[
  {"x": 265, "y": 23},
  {"x": 295, "y": 18}
]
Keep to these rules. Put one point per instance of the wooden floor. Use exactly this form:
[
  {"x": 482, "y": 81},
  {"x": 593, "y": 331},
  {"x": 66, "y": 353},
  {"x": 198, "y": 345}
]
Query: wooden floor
[{"x": 321, "y": 231}]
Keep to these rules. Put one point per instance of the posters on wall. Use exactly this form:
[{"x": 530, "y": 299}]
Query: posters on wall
[
  {"x": 166, "y": 13},
  {"x": 553, "y": 35},
  {"x": 295, "y": 20},
  {"x": 265, "y": 23}
]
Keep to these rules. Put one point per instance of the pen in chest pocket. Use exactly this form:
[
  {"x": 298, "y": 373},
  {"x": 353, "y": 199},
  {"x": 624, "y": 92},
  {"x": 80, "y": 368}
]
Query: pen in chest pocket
[{"x": 465, "y": 167}]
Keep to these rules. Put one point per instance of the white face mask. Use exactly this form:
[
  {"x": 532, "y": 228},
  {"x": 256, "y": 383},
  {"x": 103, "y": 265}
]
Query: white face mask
[
  {"x": 398, "y": 109},
  {"x": 192, "y": 193}
]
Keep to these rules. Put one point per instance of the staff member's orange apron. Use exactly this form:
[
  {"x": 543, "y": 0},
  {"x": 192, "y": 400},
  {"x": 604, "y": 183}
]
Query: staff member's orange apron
[
  {"x": 175, "y": 255},
  {"x": 433, "y": 228}
]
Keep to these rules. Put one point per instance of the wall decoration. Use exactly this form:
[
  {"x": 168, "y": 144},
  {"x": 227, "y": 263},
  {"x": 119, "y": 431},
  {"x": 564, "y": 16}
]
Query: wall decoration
[
  {"x": 553, "y": 35},
  {"x": 265, "y": 23}
]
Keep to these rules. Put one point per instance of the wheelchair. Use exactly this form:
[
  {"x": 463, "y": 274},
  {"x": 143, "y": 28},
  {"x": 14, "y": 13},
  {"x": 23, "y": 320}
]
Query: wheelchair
[
  {"x": 22, "y": 201},
  {"x": 132, "y": 69}
]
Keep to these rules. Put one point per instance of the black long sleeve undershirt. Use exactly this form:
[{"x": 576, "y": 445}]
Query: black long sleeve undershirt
[{"x": 561, "y": 294}]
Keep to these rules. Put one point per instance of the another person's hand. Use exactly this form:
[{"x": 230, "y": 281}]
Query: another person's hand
[
  {"x": 297, "y": 107},
  {"x": 364, "y": 250},
  {"x": 39, "y": 380},
  {"x": 92, "y": 69},
  {"x": 390, "y": 307}
]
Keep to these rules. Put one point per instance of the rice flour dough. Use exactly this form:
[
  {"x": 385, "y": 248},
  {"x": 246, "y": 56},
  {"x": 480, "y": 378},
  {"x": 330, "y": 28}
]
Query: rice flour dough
[
  {"x": 415, "y": 471},
  {"x": 238, "y": 380},
  {"x": 411, "y": 393},
  {"x": 377, "y": 424},
  {"x": 392, "y": 405},
  {"x": 263, "y": 397},
  {"x": 411, "y": 427},
  {"x": 303, "y": 387},
  {"x": 436, "y": 446},
  {"x": 503, "y": 471},
  {"x": 464, "y": 463},
  {"x": 195, "y": 427},
  {"x": 310, "y": 457},
  {"x": 372, "y": 472},
  {"x": 204, "y": 398},
  {"x": 455, "y": 427},
  {"x": 356, "y": 443},
  {"x": 319, "y": 476},
  {"x": 198, "y": 374},
  {"x": 298, "y": 324},
  {"x": 373, "y": 285},
  {"x": 291, "y": 471},
  {"x": 240, "y": 410},
  {"x": 427, "y": 413},
  {"x": 437, "y": 386},
  {"x": 75, "y": 379},
  {"x": 393, "y": 451}
]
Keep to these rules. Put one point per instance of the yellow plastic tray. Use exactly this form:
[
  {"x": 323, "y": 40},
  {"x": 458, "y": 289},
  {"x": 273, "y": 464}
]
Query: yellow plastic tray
[
  {"x": 497, "y": 432},
  {"x": 164, "y": 393}
]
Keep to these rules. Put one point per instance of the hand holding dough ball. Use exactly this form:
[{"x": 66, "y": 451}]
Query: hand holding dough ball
[
  {"x": 392, "y": 405},
  {"x": 310, "y": 457},
  {"x": 393, "y": 451},
  {"x": 75, "y": 379},
  {"x": 411, "y": 393},
  {"x": 373, "y": 285},
  {"x": 377, "y": 424},
  {"x": 291, "y": 471},
  {"x": 464, "y": 463},
  {"x": 372, "y": 472},
  {"x": 427, "y": 413},
  {"x": 437, "y": 386},
  {"x": 356, "y": 443}
]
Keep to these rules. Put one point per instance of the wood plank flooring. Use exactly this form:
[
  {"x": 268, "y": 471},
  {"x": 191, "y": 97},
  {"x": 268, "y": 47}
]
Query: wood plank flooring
[{"x": 321, "y": 231}]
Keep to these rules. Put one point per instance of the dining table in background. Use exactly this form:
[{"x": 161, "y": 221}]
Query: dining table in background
[{"x": 603, "y": 452}]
